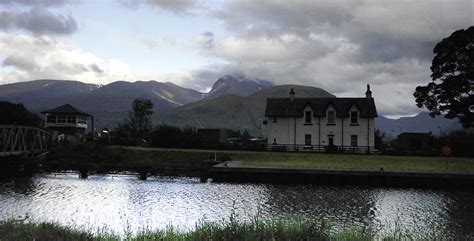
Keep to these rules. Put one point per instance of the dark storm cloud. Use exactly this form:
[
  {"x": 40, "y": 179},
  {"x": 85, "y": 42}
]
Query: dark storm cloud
[{"x": 38, "y": 21}]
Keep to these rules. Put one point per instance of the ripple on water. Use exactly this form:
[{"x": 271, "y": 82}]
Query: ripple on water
[{"x": 120, "y": 202}]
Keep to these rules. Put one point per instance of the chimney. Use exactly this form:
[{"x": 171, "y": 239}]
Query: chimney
[
  {"x": 368, "y": 93},
  {"x": 292, "y": 94}
]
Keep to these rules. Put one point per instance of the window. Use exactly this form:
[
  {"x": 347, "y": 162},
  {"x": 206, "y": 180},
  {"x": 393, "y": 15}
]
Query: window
[
  {"x": 51, "y": 119},
  {"x": 274, "y": 120},
  {"x": 354, "y": 140},
  {"x": 307, "y": 117},
  {"x": 331, "y": 118},
  {"x": 354, "y": 117},
  {"x": 81, "y": 120},
  {"x": 61, "y": 119},
  {"x": 71, "y": 119},
  {"x": 307, "y": 139}
]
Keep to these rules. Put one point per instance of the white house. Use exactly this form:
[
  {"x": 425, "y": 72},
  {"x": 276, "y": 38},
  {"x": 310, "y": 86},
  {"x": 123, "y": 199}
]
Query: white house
[{"x": 322, "y": 124}]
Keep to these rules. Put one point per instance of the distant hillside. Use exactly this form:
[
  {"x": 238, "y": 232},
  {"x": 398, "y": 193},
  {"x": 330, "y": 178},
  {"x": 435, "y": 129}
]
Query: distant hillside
[
  {"x": 422, "y": 122},
  {"x": 237, "y": 84},
  {"x": 232, "y": 111}
]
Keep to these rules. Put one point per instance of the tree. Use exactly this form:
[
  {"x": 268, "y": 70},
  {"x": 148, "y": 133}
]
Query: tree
[
  {"x": 379, "y": 139},
  {"x": 139, "y": 119},
  {"x": 452, "y": 86},
  {"x": 17, "y": 114}
]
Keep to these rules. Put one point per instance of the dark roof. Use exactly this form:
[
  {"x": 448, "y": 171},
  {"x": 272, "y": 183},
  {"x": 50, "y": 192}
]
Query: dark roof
[
  {"x": 65, "y": 109},
  {"x": 286, "y": 107}
]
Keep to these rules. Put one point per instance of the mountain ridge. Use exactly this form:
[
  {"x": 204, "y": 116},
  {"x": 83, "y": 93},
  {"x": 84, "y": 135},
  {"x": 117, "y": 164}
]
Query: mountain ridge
[{"x": 183, "y": 106}]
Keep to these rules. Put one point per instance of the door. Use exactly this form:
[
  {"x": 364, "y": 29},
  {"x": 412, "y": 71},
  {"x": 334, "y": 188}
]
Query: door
[
  {"x": 331, "y": 141},
  {"x": 307, "y": 139}
]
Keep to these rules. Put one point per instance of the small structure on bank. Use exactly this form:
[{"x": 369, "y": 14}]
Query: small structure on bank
[
  {"x": 210, "y": 137},
  {"x": 414, "y": 141},
  {"x": 322, "y": 124},
  {"x": 67, "y": 122}
]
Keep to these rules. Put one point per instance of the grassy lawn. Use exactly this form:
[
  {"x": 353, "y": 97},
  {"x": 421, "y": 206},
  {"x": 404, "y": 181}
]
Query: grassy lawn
[
  {"x": 329, "y": 161},
  {"x": 188, "y": 158},
  {"x": 356, "y": 162}
]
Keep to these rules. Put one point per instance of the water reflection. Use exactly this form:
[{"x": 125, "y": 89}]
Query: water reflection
[{"x": 123, "y": 203}]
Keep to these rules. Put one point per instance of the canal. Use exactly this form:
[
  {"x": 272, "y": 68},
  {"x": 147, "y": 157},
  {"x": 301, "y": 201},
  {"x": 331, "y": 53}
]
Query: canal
[{"x": 122, "y": 203}]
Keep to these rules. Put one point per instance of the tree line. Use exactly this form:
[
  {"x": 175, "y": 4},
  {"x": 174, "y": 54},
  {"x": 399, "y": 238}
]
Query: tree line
[{"x": 138, "y": 130}]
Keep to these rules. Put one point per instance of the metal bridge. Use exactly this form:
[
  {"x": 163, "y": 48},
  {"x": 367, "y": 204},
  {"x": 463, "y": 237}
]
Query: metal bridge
[{"x": 26, "y": 141}]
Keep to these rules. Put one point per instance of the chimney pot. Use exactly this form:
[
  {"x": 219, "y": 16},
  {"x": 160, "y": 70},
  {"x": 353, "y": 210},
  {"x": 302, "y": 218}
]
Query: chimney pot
[
  {"x": 292, "y": 94},
  {"x": 368, "y": 93}
]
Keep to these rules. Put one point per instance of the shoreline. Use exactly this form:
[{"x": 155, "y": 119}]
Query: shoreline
[{"x": 226, "y": 172}]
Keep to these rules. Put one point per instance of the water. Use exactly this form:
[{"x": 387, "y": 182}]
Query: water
[{"x": 123, "y": 203}]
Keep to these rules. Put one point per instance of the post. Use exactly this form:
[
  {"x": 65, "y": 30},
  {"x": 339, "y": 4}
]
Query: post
[{"x": 92, "y": 126}]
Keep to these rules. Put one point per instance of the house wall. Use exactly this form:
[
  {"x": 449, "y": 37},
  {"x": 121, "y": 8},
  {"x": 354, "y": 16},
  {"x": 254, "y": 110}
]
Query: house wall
[{"x": 283, "y": 131}]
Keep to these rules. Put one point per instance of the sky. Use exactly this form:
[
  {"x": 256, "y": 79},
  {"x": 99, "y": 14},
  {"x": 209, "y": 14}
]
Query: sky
[{"x": 339, "y": 46}]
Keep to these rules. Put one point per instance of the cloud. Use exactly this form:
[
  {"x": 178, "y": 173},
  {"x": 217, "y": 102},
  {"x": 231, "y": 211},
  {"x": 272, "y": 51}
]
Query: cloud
[
  {"x": 43, "y": 3},
  {"x": 178, "y": 7},
  {"x": 30, "y": 57},
  {"x": 20, "y": 62},
  {"x": 38, "y": 21},
  {"x": 205, "y": 40},
  {"x": 96, "y": 69},
  {"x": 337, "y": 45},
  {"x": 148, "y": 42}
]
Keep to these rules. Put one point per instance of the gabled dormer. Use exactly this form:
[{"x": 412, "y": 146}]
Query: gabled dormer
[
  {"x": 308, "y": 113},
  {"x": 354, "y": 115},
  {"x": 331, "y": 112}
]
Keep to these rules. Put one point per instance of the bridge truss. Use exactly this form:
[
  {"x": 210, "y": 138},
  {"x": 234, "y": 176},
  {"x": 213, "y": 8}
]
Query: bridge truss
[{"x": 23, "y": 140}]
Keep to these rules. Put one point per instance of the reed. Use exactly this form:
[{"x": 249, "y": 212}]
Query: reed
[{"x": 230, "y": 229}]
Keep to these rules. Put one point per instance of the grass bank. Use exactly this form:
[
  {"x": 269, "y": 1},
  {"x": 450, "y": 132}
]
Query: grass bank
[
  {"x": 189, "y": 158},
  {"x": 209, "y": 231},
  {"x": 356, "y": 162}
]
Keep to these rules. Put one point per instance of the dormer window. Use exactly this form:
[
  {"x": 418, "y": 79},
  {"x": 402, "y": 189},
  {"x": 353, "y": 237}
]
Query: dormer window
[
  {"x": 354, "y": 117},
  {"x": 308, "y": 117},
  {"x": 331, "y": 117}
]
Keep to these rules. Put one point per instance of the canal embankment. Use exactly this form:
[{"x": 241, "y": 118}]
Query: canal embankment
[
  {"x": 233, "y": 171},
  {"x": 269, "y": 167}
]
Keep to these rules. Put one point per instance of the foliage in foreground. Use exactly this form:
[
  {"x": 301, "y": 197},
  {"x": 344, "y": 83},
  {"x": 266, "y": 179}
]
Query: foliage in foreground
[{"x": 225, "y": 230}]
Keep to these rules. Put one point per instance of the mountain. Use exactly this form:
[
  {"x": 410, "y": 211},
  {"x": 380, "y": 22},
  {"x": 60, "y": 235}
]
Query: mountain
[
  {"x": 422, "y": 122},
  {"x": 39, "y": 94},
  {"x": 237, "y": 84},
  {"x": 233, "y": 111},
  {"x": 118, "y": 96}
]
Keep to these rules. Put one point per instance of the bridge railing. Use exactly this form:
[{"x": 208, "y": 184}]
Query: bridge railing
[{"x": 23, "y": 140}]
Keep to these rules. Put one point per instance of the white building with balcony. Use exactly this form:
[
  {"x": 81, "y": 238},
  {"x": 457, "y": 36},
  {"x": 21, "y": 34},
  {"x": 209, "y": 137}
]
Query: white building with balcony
[
  {"x": 67, "y": 122},
  {"x": 322, "y": 124}
]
